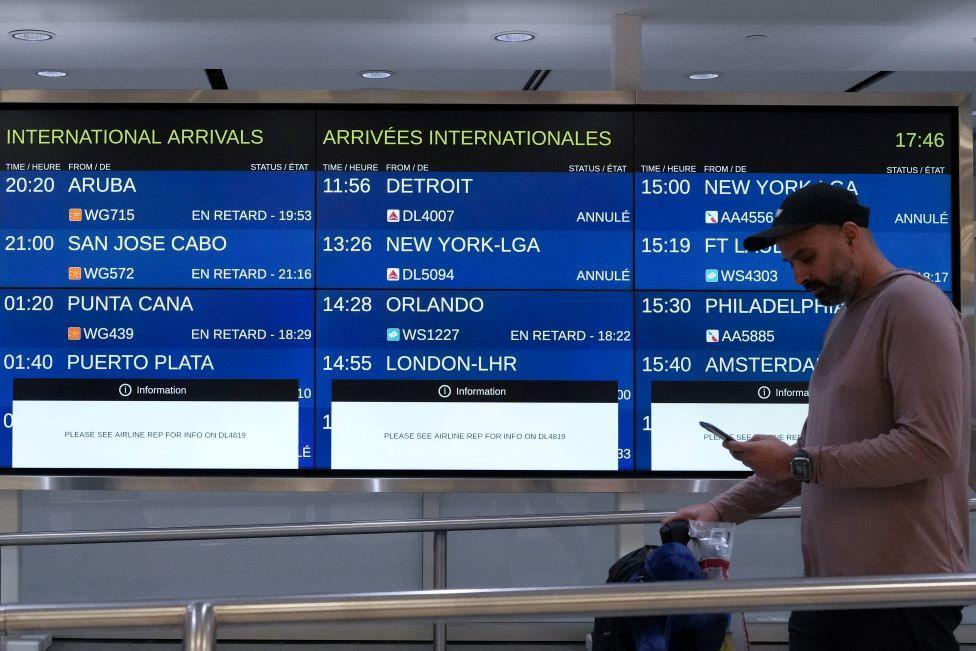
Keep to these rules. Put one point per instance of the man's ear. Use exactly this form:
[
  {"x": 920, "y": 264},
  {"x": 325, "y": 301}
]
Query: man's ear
[{"x": 851, "y": 232}]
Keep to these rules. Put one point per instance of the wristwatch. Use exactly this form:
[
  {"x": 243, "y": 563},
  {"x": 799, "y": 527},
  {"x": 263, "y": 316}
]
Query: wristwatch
[{"x": 801, "y": 466}]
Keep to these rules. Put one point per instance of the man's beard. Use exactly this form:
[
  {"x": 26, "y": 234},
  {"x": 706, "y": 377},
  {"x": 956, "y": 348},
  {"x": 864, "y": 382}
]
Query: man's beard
[{"x": 840, "y": 287}]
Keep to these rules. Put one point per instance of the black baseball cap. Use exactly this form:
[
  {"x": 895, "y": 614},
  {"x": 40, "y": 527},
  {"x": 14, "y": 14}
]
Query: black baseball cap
[{"x": 817, "y": 203}]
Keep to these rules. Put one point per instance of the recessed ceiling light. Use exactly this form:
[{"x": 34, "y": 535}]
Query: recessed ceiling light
[
  {"x": 755, "y": 37},
  {"x": 377, "y": 74},
  {"x": 31, "y": 35},
  {"x": 703, "y": 75},
  {"x": 52, "y": 73},
  {"x": 513, "y": 37}
]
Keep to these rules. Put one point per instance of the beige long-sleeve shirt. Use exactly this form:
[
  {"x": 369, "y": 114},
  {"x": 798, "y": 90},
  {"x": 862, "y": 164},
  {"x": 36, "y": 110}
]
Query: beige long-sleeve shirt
[{"x": 888, "y": 430}]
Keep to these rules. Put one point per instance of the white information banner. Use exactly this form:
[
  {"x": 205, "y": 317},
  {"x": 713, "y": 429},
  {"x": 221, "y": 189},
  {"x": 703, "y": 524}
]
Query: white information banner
[
  {"x": 474, "y": 435},
  {"x": 155, "y": 434}
]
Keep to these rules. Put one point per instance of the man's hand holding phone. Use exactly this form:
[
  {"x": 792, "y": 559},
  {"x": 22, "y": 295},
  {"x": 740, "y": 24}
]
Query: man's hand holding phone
[{"x": 767, "y": 455}]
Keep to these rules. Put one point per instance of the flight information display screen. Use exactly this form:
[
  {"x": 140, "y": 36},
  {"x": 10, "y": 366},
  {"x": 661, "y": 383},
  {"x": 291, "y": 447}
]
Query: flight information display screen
[{"x": 421, "y": 289}]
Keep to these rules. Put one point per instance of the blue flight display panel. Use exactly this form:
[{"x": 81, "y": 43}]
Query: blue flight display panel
[
  {"x": 910, "y": 218},
  {"x": 566, "y": 230},
  {"x": 157, "y": 229},
  {"x": 428, "y": 289}
]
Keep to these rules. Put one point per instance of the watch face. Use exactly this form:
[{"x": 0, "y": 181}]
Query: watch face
[{"x": 802, "y": 468}]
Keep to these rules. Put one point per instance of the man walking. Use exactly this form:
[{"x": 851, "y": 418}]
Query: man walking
[{"x": 882, "y": 460}]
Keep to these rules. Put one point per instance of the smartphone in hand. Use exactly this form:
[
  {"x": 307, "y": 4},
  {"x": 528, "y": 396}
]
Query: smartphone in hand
[{"x": 716, "y": 431}]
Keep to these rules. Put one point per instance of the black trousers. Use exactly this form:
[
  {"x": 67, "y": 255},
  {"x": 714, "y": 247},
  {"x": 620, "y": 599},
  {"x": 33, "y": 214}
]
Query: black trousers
[{"x": 893, "y": 629}]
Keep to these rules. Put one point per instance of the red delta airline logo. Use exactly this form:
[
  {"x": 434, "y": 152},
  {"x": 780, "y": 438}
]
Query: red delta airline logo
[
  {"x": 393, "y": 215},
  {"x": 392, "y": 274}
]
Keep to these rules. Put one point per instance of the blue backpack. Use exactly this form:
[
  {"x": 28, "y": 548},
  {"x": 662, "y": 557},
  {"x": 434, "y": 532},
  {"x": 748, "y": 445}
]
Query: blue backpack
[{"x": 672, "y": 561}]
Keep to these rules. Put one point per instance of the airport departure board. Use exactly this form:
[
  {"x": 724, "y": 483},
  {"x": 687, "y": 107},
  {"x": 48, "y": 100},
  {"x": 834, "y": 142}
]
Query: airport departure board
[{"x": 362, "y": 289}]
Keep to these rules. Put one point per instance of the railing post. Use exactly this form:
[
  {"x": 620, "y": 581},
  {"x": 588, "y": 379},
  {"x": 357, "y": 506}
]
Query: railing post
[
  {"x": 199, "y": 629},
  {"x": 10, "y": 521},
  {"x": 440, "y": 583}
]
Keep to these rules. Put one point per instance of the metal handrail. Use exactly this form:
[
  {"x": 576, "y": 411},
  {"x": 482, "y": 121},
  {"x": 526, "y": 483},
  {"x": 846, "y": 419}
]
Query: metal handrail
[
  {"x": 330, "y": 528},
  {"x": 354, "y": 527},
  {"x": 228, "y": 532},
  {"x": 200, "y": 619}
]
